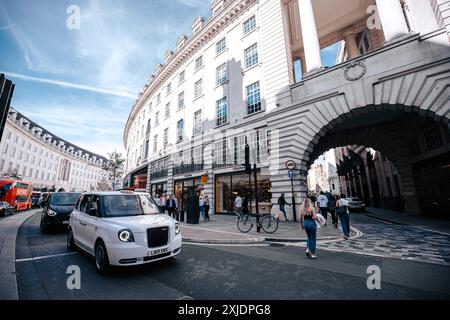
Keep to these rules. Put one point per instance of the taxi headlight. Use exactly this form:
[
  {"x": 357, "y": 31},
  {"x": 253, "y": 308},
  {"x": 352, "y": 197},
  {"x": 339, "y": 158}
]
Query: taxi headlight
[
  {"x": 177, "y": 228},
  {"x": 126, "y": 235},
  {"x": 51, "y": 213}
]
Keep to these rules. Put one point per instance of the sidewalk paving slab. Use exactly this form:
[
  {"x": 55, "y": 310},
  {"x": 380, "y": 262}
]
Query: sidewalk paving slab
[
  {"x": 9, "y": 227},
  {"x": 223, "y": 229},
  {"x": 439, "y": 225}
]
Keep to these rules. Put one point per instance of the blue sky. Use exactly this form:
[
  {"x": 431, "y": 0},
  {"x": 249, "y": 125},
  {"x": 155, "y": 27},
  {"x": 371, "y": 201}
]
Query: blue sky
[{"x": 81, "y": 84}]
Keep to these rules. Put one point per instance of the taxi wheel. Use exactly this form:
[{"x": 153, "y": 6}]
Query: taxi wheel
[{"x": 101, "y": 258}]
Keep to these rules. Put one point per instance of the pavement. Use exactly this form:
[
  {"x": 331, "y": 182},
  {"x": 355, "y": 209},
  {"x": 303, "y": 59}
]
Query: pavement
[
  {"x": 8, "y": 233},
  {"x": 402, "y": 218},
  {"x": 222, "y": 229}
]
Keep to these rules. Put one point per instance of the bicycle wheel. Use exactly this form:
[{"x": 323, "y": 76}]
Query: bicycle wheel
[
  {"x": 269, "y": 224},
  {"x": 244, "y": 223}
]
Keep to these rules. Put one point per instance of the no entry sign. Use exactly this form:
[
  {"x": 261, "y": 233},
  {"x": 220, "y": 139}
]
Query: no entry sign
[{"x": 290, "y": 164}]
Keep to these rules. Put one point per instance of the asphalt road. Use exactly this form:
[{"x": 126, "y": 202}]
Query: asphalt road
[{"x": 221, "y": 272}]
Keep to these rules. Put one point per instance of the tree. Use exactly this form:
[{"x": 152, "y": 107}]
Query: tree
[
  {"x": 12, "y": 173},
  {"x": 114, "y": 167},
  {"x": 104, "y": 184}
]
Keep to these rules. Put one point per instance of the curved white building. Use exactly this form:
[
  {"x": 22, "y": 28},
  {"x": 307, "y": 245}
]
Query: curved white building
[
  {"x": 232, "y": 82},
  {"x": 45, "y": 160}
]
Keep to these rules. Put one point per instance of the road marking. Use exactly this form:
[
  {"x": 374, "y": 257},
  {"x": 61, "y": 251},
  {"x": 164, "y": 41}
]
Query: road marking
[
  {"x": 228, "y": 244},
  {"x": 46, "y": 257},
  {"x": 186, "y": 298}
]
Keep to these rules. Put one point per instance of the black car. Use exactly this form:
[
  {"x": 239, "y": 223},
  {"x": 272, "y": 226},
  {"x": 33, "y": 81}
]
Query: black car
[
  {"x": 5, "y": 209},
  {"x": 35, "y": 199},
  {"x": 56, "y": 209}
]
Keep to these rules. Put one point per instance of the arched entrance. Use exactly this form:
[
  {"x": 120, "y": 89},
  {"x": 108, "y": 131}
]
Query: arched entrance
[{"x": 414, "y": 140}]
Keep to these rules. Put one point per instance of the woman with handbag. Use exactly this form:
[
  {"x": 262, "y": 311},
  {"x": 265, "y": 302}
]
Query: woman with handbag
[
  {"x": 344, "y": 217},
  {"x": 307, "y": 219}
]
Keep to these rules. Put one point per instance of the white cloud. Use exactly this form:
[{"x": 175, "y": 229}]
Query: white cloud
[{"x": 120, "y": 93}]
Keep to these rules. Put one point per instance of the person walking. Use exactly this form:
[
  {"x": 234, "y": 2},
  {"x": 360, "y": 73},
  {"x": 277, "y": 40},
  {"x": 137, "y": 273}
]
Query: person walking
[
  {"x": 282, "y": 203},
  {"x": 163, "y": 202},
  {"x": 238, "y": 204},
  {"x": 307, "y": 219},
  {"x": 171, "y": 206},
  {"x": 322, "y": 203},
  {"x": 344, "y": 217},
  {"x": 332, "y": 210},
  {"x": 201, "y": 204},
  {"x": 207, "y": 203}
]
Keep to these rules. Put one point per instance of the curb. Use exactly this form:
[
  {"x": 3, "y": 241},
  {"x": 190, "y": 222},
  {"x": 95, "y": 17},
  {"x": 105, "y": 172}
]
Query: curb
[
  {"x": 224, "y": 241},
  {"x": 8, "y": 235}
]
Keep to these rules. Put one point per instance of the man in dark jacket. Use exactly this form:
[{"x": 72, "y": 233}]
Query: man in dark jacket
[{"x": 282, "y": 203}]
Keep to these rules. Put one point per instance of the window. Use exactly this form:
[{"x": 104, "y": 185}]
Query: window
[
  {"x": 150, "y": 105},
  {"x": 5, "y": 149},
  {"x": 149, "y": 125},
  {"x": 198, "y": 89},
  {"x": 180, "y": 127},
  {"x": 155, "y": 143},
  {"x": 181, "y": 100},
  {"x": 181, "y": 76},
  {"x": 249, "y": 25},
  {"x": 198, "y": 63},
  {"x": 166, "y": 137},
  {"x": 221, "y": 74},
  {"x": 222, "y": 111},
  {"x": 253, "y": 98},
  {"x": 158, "y": 98},
  {"x": 157, "y": 119},
  {"x": 197, "y": 122},
  {"x": 362, "y": 41},
  {"x": 169, "y": 89},
  {"x": 146, "y": 149},
  {"x": 251, "y": 56},
  {"x": 221, "y": 46},
  {"x": 167, "y": 114},
  {"x": 432, "y": 134}
]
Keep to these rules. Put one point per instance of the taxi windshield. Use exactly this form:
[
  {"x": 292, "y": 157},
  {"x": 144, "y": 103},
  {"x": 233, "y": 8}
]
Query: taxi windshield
[{"x": 122, "y": 206}]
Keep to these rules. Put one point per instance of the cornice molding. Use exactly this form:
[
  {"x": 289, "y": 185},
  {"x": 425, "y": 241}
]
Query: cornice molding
[{"x": 210, "y": 28}]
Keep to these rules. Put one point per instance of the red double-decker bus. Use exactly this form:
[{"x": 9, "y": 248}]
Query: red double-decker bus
[{"x": 16, "y": 193}]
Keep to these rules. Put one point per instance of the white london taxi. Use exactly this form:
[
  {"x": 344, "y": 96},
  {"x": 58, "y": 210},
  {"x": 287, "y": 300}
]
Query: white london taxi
[{"x": 122, "y": 228}]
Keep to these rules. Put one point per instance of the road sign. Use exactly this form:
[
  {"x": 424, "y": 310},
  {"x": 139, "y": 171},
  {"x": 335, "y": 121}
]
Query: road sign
[
  {"x": 290, "y": 174},
  {"x": 290, "y": 164},
  {"x": 204, "y": 179}
]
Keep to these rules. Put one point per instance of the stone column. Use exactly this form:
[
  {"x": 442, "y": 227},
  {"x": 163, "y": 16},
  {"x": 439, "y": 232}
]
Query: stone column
[
  {"x": 392, "y": 18},
  {"x": 350, "y": 44},
  {"x": 311, "y": 44}
]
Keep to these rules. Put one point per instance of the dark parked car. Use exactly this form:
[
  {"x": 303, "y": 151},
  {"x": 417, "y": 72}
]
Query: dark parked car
[
  {"x": 56, "y": 209},
  {"x": 5, "y": 209},
  {"x": 35, "y": 199}
]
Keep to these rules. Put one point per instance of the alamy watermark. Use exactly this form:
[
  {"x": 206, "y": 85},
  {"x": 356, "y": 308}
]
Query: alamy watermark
[
  {"x": 73, "y": 21},
  {"x": 74, "y": 280},
  {"x": 374, "y": 280}
]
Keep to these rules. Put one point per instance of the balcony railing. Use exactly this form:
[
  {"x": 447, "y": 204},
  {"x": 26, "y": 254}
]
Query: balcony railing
[
  {"x": 159, "y": 174},
  {"x": 187, "y": 168}
]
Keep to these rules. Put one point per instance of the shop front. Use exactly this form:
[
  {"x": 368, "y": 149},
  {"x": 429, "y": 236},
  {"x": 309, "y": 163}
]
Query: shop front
[
  {"x": 158, "y": 188},
  {"x": 183, "y": 188},
  {"x": 227, "y": 184}
]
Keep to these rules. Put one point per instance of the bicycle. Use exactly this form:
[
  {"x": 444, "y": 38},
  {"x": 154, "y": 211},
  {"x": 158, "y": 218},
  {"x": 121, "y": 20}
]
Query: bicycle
[{"x": 266, "y": 222}]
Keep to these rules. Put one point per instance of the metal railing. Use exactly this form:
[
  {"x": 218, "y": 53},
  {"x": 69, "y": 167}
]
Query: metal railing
[{"x": 187, "y": 168}]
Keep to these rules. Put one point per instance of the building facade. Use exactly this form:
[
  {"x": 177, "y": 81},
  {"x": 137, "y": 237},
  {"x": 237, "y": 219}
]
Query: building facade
[
  {"x": 232, "y": 83},
  {"x": 371, "y": 176},
  {"x": 38, "y": 156}
]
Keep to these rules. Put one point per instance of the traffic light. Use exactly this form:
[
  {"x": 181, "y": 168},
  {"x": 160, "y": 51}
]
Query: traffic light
[
  {"x": 6, "y": 92},
  {"x": 248, "y": 168}
]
